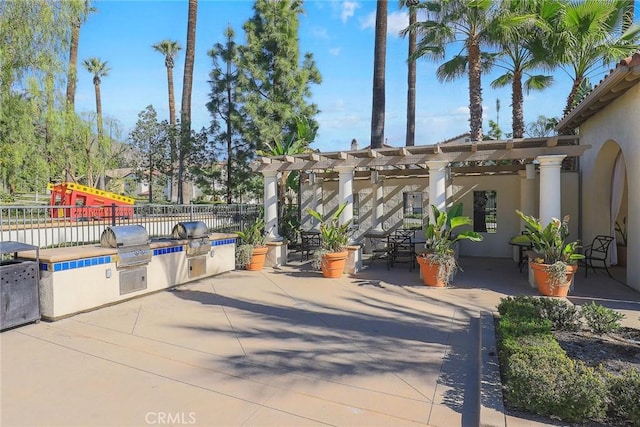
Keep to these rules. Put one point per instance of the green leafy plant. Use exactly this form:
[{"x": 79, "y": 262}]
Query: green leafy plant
[
  {"x": 549, "y": 243},
  {"x": 441, "y": 239},
  {"x": 334, "y": 237},
  {"x": 252, "y": 237},
  {"x": 601, "y": 320}
]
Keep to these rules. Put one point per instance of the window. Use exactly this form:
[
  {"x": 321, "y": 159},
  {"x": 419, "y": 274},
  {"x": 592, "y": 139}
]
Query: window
[
  {"x": 485, "y": 212},
  {"x": 411, "y": 210}
]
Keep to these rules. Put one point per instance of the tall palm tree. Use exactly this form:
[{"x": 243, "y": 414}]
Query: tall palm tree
[
  {"x": 82, "y": 8},
  {"x": 454, "y": 21},
  {"x": 187, "y": 85},
  {"x": 170, "y": 49},
  {"x": 379, "y": 63},
  {"x": 411, "y": 73},
  {"x": 99, "y": 69},
  {"x": 589, "y": 34},
  {"x": 520, "y": 48}
]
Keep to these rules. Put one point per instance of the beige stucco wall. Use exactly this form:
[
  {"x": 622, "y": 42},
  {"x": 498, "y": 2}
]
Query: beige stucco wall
[
  {"x": 613, "y": 129},
  {"x": 462, "y": 188}
]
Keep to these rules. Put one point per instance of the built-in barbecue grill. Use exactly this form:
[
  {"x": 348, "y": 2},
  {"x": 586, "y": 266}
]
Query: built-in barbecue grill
[
  {"x": 198, "y": 245},
  {"x": 134, "y": 253}
]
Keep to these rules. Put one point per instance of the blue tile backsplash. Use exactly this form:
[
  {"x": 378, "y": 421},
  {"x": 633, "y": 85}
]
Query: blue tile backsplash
[{"x": 88, "y": 262}]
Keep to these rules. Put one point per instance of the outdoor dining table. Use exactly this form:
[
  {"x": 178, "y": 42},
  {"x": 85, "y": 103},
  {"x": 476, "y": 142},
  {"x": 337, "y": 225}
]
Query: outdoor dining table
[{"x": 522, "y": 248}]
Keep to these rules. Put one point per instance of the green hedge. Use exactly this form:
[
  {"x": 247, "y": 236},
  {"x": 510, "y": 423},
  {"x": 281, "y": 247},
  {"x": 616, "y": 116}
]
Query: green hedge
[{"x": 539, "y": 377}]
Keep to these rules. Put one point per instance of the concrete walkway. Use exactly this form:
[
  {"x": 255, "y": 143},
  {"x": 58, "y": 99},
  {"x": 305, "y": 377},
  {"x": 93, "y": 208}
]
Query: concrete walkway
[{"x": 273, "y": 348}]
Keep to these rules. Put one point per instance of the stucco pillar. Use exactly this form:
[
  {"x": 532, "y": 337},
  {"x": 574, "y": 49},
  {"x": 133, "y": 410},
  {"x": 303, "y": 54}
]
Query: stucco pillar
[
  {"x": 345, "y": 175},
  {"x": 550, "y": 194},
  {"x": 527, "y": 195},
  {"x": 316, "y": 188},
  {"x": 271, "y": 205},
  {"x": 437, "y": 185},
  {"x": 378, "y": 202}
]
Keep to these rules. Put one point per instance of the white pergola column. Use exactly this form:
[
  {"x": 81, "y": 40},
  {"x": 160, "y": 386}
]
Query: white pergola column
[
  {"x": 550, "y": 194},
  {"x": 271, "y": 205},
  {"x": 378, "y": 201},
  {"x": 317, "y": 199},
  {"x": 528, "y": 193},
  {"x": 345, "y": 178},
  {"x": 437, "y": 185}
]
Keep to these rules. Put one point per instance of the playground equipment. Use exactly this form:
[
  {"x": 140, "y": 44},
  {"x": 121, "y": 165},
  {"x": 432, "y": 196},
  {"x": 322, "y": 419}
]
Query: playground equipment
[{"x": 79, "y": 202}]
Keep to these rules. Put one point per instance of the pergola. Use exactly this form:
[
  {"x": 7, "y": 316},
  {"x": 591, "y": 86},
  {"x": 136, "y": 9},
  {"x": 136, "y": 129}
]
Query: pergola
[{"x": 432, "y": 161}]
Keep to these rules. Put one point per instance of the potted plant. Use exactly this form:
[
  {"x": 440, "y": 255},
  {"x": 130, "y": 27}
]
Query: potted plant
[
  {"x": 252, "y": 252},
  {"x": 556, "y": 260},
  {"x": 621, "y": 245},
  {"x": 334, "y": 238},
  {"x": 438, "y": 264}
]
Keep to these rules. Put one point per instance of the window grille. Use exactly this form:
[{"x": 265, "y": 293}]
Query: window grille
[{"x": 485, "y": 219}]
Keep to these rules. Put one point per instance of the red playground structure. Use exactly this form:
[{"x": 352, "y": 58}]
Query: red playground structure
[{"x": 78, "y": 202}]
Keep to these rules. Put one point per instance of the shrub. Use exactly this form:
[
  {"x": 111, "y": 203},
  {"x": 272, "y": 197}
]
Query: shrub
[
  {"x": 624, "y": 397},
  {"x": 601, "y": 320},
  {"x": 562, "y": 315}
]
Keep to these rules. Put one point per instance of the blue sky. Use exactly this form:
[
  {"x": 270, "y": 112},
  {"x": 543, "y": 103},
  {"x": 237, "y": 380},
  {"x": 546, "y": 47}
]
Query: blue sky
[{"x": 339, "y": 34}]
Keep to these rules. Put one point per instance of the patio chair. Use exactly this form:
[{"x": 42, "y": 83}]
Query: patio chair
[
  {"x": 402, "y": 247},
  {"x": 597, "y": 251}
]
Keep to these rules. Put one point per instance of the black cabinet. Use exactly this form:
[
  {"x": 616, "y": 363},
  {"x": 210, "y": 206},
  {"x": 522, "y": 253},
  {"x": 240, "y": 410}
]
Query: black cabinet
[{"x": 19, "y": 290}]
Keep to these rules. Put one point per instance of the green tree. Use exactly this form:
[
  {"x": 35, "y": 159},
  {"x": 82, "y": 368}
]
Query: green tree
[
  {"x": 32, "y": 70},
  {"x": 459, "y": 21},
  {"x": 169, "y": 49},
  {"x": 517, "y": 34},
  {"x": 227, "y": 114},
  {"x": 82, "y": 9},
  {"x": 149, "y": 141},
  {"x": 277, "y": 83},
  {"x": 99, "y": 69},
  {"x": 187, "y": 87},
  {"x": 379, "y": 65},
  {"x": 588, "y": 35},
  {"x": 543, "y": 126},
  {"x": 411, "y": 72}
]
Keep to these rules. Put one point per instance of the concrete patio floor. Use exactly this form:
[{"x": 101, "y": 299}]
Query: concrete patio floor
[{"x": 280, "y": 347}]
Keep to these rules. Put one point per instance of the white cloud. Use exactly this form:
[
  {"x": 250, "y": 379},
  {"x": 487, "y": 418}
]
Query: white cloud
[
  {"x": 369, "y": 21},
  {"x": 348, "y": 10},
  {"x": 396, "y": 22},
  {"x": 335, "y": 51}
]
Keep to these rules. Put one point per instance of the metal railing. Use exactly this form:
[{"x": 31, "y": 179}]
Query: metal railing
[{"x": 59, "y": 226}]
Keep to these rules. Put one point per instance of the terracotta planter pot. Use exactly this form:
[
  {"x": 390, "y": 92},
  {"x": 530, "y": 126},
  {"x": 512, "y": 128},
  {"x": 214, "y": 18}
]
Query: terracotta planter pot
[
  {"x": 541, "y": 277},
  {"x": 332, "y": 264},
  {"x": 258, "y": 257},
  {"x": 429, "y": 272}
]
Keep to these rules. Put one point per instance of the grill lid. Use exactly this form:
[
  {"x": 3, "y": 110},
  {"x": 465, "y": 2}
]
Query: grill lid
[
  {"x": 123, "y": 236},
  {"x": 190, "y": 230}
]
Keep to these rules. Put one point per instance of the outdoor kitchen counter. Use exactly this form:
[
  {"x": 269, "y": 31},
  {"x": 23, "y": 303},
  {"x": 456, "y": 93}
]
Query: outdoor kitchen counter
[{"x": 53, "y": 255}]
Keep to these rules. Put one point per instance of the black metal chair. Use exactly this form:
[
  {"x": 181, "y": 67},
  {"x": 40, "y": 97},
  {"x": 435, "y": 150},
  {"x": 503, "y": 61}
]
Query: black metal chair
[
  {"x": 402, "y": 247},
  {"x": 597, "y": 251}
]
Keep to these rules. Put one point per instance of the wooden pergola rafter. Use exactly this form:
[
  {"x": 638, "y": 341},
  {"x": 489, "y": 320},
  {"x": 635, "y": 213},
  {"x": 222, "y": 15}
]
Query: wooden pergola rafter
[{"x": 413, "y": 160}]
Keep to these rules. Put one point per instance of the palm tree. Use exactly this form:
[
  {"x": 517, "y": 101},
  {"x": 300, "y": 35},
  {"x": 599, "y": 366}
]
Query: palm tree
[
  {"x": 457, "y": 21},
  {"x": 169, "y": 49},
  {"x": 83, "y": 8},
  {"x": 411, "y": 73},
  {"x": 520, "y": 50},
  {"x": 99, "y": 69},
  {"x": 187, "y": 85},
  {"x": 589, "y": 34},
  {"x": 379, "y": 62}
]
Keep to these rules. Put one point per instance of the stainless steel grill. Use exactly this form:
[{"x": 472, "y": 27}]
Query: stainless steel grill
[
  {"x": 132, "y": 242},
  {"x": 197, "y": 233}
]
